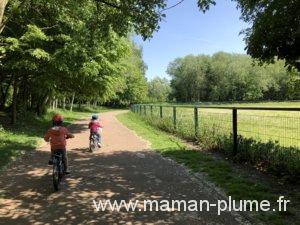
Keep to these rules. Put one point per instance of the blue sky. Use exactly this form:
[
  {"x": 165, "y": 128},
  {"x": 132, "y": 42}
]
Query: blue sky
[{"x": 186, "y": 30}]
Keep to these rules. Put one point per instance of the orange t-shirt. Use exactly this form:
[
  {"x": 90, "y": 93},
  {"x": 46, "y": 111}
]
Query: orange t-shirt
[{"x": 57, "y": 137}]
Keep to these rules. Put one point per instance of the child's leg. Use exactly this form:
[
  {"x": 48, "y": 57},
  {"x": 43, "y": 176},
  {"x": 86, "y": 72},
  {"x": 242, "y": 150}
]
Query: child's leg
[
  {"x": 98, "y": 137},
  {"x": 50, "y": 162},
  {"x": 65, "y": 159}
]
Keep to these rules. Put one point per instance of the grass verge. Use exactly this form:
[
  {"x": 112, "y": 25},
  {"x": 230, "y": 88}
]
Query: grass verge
[
  {"x": 220, "y": 172},
  {"x": 27, "y": 133}
]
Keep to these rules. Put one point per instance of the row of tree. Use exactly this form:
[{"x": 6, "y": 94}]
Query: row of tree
[
  {"x": 273, "y": 24},
  {"x": 231, "y": 77},
  {"x": 56, "y": 52}
]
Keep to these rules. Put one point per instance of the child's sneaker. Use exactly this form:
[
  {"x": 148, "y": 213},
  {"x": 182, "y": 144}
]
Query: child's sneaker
[{"x": 99, "y": 145}]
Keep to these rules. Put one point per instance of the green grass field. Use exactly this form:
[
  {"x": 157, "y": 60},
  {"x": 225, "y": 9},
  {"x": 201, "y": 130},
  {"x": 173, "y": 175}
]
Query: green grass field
[
  {"x": 277, "y": 126},
  {"x": 28, "y": 132},
  {"x": 269, "y": 140}
]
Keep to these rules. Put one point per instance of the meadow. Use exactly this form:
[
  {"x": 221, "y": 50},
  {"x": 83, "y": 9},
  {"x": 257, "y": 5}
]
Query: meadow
[{"x": 267, "y": 137}]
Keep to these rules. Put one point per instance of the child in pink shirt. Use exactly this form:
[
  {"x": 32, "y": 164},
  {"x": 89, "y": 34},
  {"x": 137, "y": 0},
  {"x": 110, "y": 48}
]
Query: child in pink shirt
[{"x": 95, "y": 128}]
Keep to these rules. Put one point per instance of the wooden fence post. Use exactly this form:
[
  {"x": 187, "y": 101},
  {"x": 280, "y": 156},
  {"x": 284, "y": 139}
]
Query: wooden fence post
[
  {"x": 174, "y": 117},
  {"x": 151, "y": 109},
  {"x": 161, "y": 112},
  {"x": 196, "y": 120},
  {"x": 234, "y": 131}
]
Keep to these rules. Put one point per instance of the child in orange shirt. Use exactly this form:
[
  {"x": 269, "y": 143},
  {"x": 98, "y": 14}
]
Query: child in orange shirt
[{"x": 57, "y": 136}]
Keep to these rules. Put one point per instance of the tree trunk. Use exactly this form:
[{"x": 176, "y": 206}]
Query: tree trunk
[
  {"x": 72, "y": 102},
  {"x": 53, "y": 104},
  {"x": 64, "y": 103},
  {"x": 4, "y": 93},
  {"x": 14, "y": 104},
  {"x": 3, "y": 4},
  {"x": 41, "y": 107}
]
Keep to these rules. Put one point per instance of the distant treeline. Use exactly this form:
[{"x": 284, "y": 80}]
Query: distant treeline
[{"x": 231, "y": 77}]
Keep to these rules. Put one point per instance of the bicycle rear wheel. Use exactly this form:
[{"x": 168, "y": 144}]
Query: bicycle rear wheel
[
  {"x": 55, "y": 176},
  {"x": 92, "y": 145}
]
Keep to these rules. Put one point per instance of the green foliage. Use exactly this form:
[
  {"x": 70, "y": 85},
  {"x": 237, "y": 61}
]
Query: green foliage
[
  {"x": 158, "y": 90},
  {"x": 53, "y": 50},
  {"x": 274, "y": 28},
  {"x": 230, "y": 77},
  {"x": 133, "y": 86}
]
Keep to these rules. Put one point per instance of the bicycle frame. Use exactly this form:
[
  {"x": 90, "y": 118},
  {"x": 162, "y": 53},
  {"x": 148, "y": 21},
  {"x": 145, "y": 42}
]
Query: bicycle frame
[{"x": 58, "y": 170}]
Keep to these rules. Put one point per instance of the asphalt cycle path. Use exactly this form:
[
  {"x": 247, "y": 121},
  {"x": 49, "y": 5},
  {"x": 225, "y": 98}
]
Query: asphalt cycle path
[{"x": 125, "y": 168}]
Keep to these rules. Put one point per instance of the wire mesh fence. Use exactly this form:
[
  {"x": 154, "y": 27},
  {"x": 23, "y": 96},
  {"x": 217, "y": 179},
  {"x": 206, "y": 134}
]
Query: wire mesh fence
[
  {"x": 251, "y": 133},
  {"x": 282, "y": 126}
]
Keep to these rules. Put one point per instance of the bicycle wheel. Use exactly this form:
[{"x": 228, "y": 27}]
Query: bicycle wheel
[
  {"x": 92, "y": 145},
  {"x": 95, "y": 144},
  {"x": 55, "y": 176},
  {"x": 61, "y": 171}
]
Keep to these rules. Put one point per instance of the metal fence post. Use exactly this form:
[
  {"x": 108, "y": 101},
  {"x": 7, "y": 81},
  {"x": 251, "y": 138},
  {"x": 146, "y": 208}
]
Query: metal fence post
[
  {"x": 140, "y": 109},
  {"x": 234, "y": 131},
  {"x": 196, "y": 120},
  {"x": 174, "y": 117},
  {"x": 151, "y": 109},
  {"x": 145, "y": 110},
  {"x": 160, "y": 111}
]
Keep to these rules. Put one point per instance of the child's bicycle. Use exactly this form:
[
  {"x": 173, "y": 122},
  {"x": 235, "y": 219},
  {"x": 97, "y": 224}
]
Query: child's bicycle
[
  {"x": 94, "y": 143},
  {"x": 58, "y": 170}
]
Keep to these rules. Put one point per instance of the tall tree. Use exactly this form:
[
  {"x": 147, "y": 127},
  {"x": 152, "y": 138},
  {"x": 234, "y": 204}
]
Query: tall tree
[
  {"x": 159, "y": 90},
  {"x": 274, "y": 30},
  {"x": 231, "y": 77}
]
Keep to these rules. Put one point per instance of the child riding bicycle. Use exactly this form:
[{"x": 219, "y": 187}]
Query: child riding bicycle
[
  {"x": 57, "y": 136},
  {"x": 95, "y": 129}
]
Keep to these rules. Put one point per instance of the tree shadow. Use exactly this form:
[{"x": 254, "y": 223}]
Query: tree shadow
[
  {"x": 28, "y": 197},
  {"x": 11, "y": 149}
]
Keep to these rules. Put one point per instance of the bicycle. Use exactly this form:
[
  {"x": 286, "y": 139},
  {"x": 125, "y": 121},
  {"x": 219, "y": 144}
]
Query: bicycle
[
  {"x": 58, "y": 169},
  {"x": 94, "y": 142}
]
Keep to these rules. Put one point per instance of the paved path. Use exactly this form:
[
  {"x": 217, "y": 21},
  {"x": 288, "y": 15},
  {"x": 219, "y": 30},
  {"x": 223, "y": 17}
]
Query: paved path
[{"x": 124, "y": 169}]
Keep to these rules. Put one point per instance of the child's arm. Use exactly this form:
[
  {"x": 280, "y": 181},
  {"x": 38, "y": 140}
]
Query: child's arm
[
  {"x": 47, "y": 136},
  {"x": 68, "y": 134}
]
